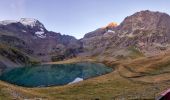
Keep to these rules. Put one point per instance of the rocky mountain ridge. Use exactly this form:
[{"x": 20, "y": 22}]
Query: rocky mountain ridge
[
  {"x": 145, "y": 33},
  {"x": 32, "y": 39}
]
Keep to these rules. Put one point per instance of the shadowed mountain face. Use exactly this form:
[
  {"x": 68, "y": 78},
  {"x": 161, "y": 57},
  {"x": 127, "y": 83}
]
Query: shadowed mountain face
[
  {"x": 144, "y": 33},
  {"x": 30, "y": 38}
]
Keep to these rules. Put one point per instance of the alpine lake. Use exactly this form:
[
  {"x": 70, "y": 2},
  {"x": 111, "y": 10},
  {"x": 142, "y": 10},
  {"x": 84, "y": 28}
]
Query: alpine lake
[{"x": 53, "y": 74}]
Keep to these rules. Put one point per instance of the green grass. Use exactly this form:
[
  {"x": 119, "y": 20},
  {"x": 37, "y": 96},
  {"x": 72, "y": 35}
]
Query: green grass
[
  {"x": 135, "y": 53},
  {"x": 16, "y": 55}
]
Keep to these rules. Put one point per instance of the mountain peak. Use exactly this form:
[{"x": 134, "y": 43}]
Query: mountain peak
[
  {"x": 112, "y": 24},
  {"x": 149, "y": 12},
  {"x": 30, "y": 22},
  {"x": 24, "y": 21},
  {"x": 145, "y": 21}
]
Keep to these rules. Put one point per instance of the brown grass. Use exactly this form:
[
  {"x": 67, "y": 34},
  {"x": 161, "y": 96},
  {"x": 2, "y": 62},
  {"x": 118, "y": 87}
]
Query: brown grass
[{"x": 142, "y": 78}]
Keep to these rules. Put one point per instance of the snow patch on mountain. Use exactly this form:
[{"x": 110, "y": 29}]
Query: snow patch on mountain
[
  {"x": 24, "y": 21},
  {"x": 7, "y": 22},
  {"x": 24, "y": 31},
  {"x": 40, "y": 34},
  {"x": 111, "y": 31},
  {"x": 76, "y": 80},
  {"x": 29, "y": 22}
]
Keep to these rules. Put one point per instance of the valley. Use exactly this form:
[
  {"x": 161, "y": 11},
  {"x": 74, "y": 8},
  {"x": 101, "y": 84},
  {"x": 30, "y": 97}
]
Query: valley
[
  {"x": 115, "y": 62},
  {"x": 122, "y": 83}
]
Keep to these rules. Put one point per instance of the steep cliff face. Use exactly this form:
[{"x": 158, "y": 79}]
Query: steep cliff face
[
  {"x": 144, "y": 33},
  {"x": 30, "y": 37},
  {"x": 146, "y": 30}
]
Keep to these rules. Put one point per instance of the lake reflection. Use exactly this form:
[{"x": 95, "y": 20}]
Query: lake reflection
[{"x": 55, "y": 74}]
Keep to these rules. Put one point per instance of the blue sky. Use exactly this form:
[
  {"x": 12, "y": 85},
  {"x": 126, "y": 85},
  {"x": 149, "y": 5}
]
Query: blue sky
[{"x": 77, "y": 17}]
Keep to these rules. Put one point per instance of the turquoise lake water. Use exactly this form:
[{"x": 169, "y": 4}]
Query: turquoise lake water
[{"x": 53, "y": 75}]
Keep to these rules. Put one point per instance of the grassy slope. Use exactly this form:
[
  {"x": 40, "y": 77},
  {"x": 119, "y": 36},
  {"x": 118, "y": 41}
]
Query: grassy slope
[
  {"x": 14, "y": 55},
  {"x": 131, "y": 80}
]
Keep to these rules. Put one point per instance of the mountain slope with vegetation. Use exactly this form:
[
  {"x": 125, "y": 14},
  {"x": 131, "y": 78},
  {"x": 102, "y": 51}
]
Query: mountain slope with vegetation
[
  {"x": 137, "y": 50},
  {"x": 30, "y": 37},
  {"x": 144, "y": 33},
  {"x": 141, "y": 78}
]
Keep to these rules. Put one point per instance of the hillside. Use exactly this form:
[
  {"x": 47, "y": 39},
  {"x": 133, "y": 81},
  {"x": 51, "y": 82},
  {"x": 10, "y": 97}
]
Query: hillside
[
  {"x": 144, "y": 81},
  {"x": 30, "y": 37},
  {"x": 137, "y": 50},
  {"x": 144, "y": 33}
]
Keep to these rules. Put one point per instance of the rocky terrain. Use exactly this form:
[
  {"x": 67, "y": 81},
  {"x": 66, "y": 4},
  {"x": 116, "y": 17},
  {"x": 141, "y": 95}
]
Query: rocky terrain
[
  {"x": 144, "y": 33},
  {"x": 28, "y": 41},
  {"x": 136, "y": 49}
]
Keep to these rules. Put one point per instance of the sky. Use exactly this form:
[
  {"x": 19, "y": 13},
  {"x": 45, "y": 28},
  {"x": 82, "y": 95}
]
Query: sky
[{"x": 77, "y": 17}]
